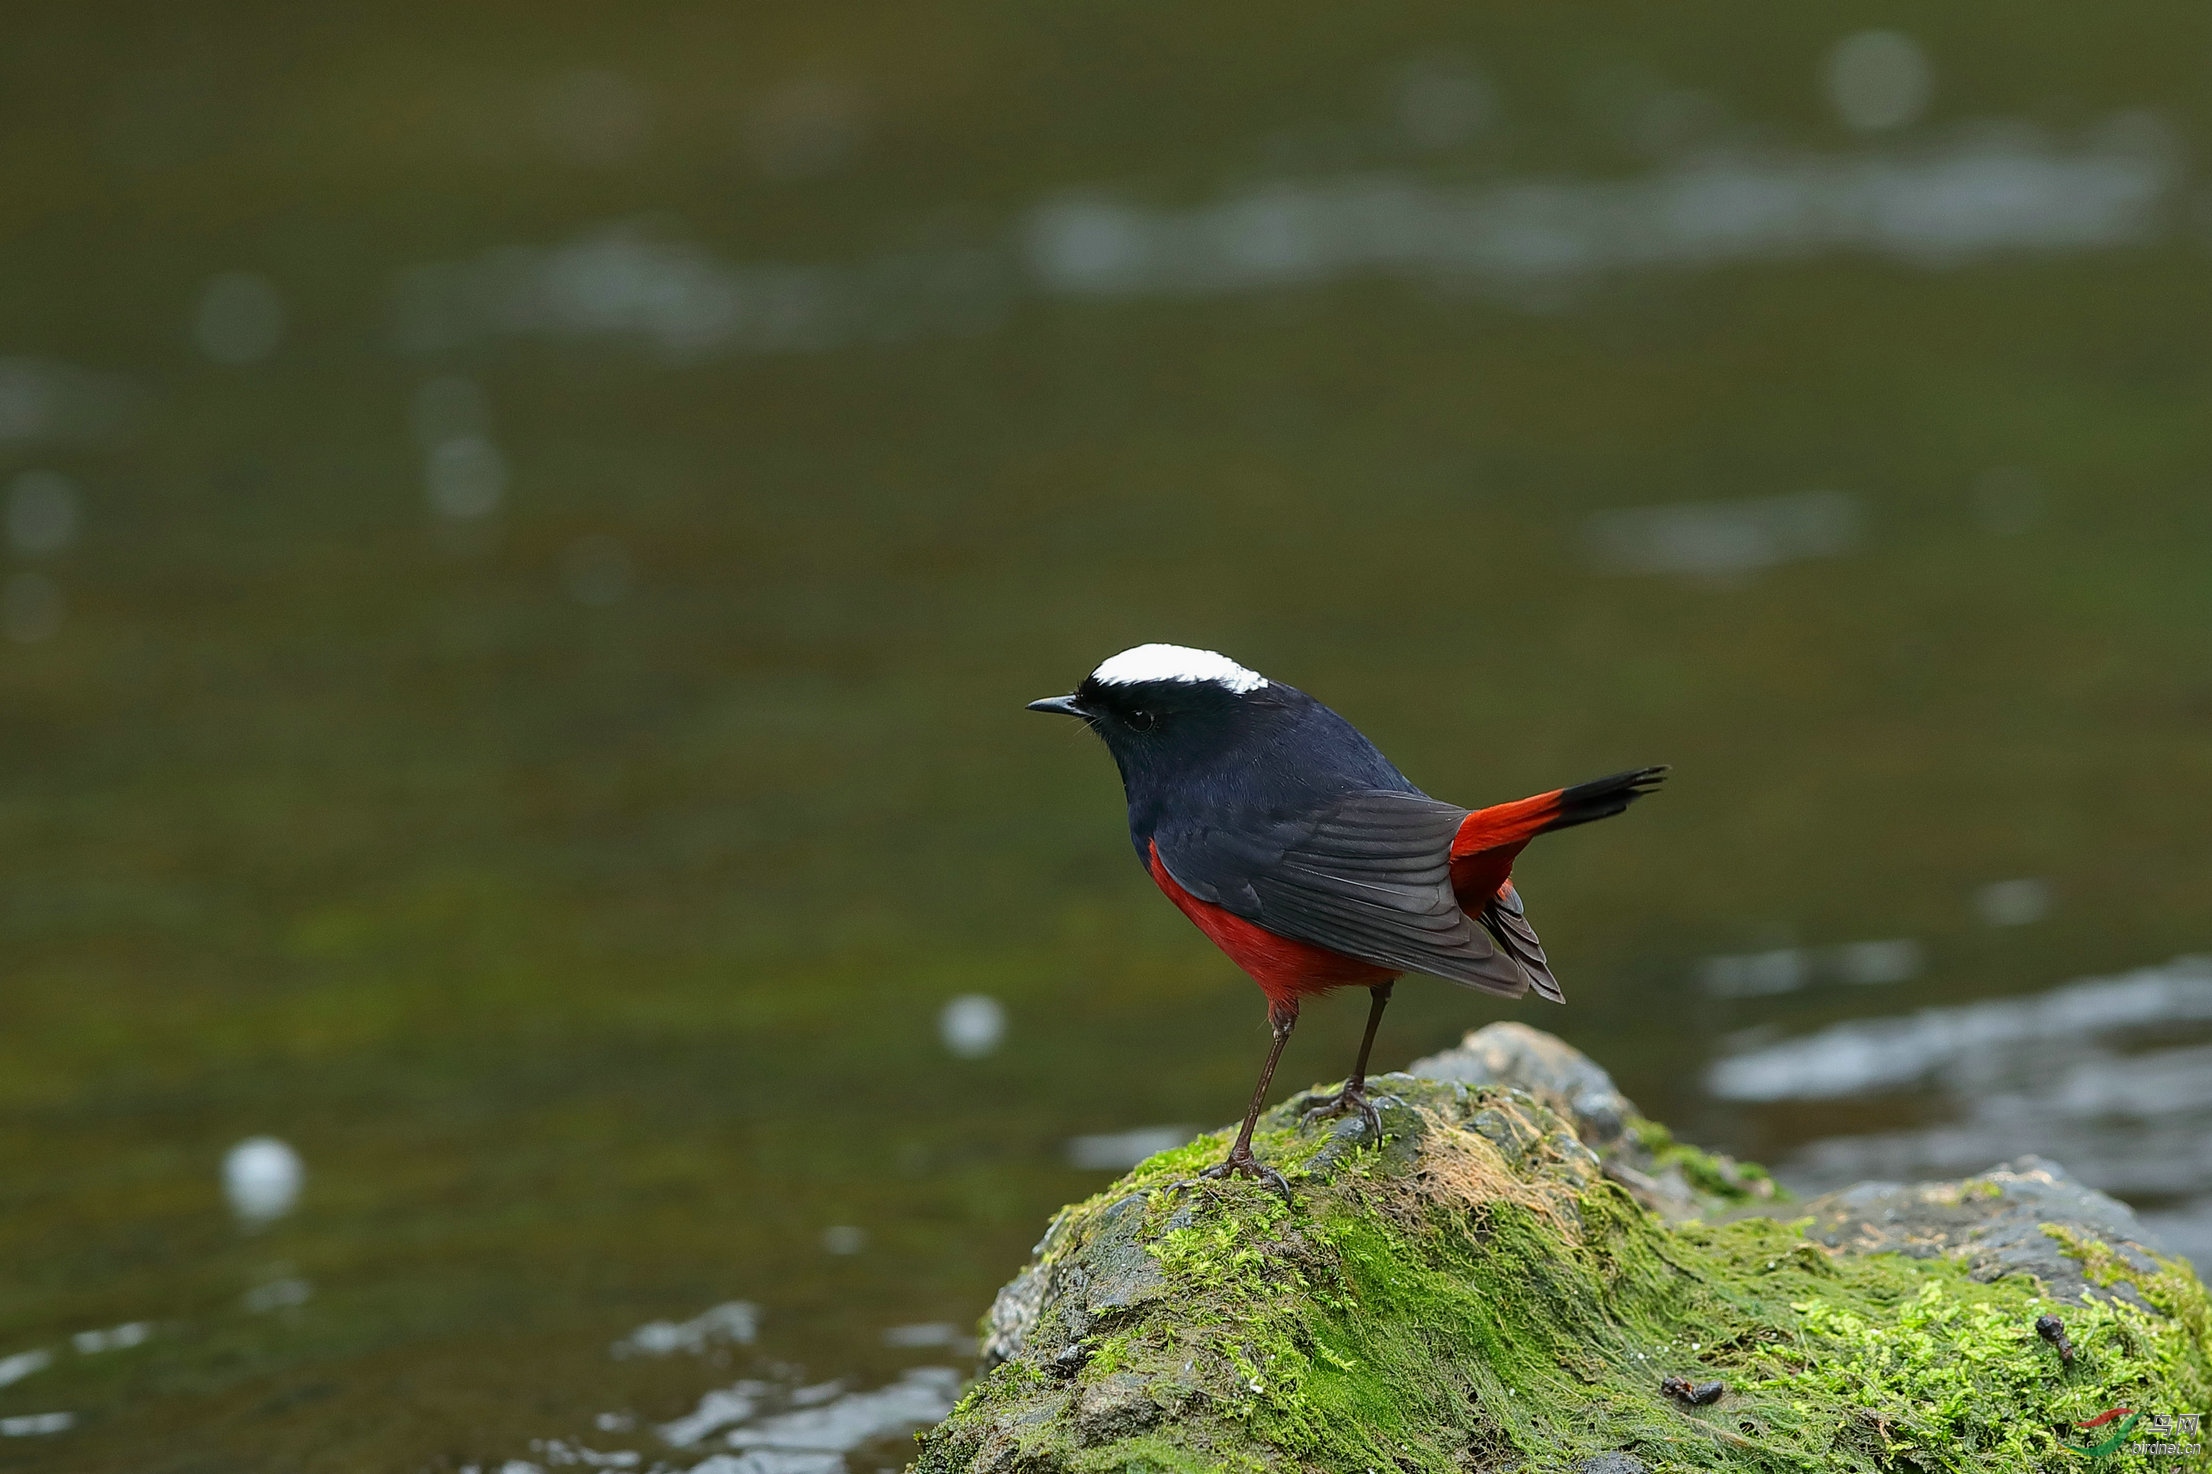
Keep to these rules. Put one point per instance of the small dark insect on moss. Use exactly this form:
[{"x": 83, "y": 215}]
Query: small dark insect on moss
[
  {"x": 2053, "y": 1330},
  {"x": 1695, "y": 1394}
]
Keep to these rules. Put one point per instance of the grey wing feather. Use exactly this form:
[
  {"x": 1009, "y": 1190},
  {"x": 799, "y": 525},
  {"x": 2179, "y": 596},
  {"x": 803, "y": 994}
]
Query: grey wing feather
[
  {"x": 1367, "y": 874},
  {"x": 1506, "y": 919}
]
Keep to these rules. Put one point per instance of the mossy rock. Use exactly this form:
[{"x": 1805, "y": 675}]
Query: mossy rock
[
  {"x": 1477, "y": 1292},
  {"x": 1670, "y": 1177}
]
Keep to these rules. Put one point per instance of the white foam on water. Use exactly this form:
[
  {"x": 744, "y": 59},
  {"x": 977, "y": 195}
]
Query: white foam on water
[
  {"x": 1120, "y": 1150},
  {"x": 2076, "y": 1074},
  {"x": 771, "y": 1461},
  {"x": 114, "y": 1338},
  {"x": 733, "y": 1321},
  {"x": 1787, "y": 969},
  {"x": 1996, "y": 189},
  {"x": 14, "y": 1369},
  {"x": 920, "y": 1397},
  {"x": 716, "y": 1410},
  {"x": 1993, "y": 190},
  {"x": 560, "y": 1452},
  {"x": 1886, "y": 1054}
]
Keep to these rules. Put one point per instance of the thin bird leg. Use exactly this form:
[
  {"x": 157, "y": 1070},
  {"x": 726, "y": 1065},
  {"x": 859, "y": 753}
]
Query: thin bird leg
[
  {"x": 1353, "y": 1097},
  {"x": 1282, "y": 1018}
]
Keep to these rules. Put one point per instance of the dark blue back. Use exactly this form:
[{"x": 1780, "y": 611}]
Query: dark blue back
[{"x": 1248, "y": 762}]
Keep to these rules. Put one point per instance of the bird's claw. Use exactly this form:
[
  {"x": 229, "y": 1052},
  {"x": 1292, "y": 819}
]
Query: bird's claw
[
  {"x": 1352, "y": 1098},
  {"x": 1244, "y": 1164}
]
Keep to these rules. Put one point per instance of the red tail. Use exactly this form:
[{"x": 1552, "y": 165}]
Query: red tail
[{"x": 1489, "y": 839}]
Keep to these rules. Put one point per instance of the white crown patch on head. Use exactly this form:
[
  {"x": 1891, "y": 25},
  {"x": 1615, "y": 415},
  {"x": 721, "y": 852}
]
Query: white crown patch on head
[{"x": 1176, "y": 663}]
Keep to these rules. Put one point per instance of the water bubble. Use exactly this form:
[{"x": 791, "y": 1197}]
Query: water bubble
[
  {"x": 262, "y": 1177},
  {"x": 42, "y": 513},
  {"x": 449, "y": 407},
  {"x": 2013, "y": 902},
  {"x": 465, "y": 477},
  {"x": 1878, "y": 80},
  {"x": 972, "y": 1025},
  {"x": 239, "y": 318},
  {"x": 596, "y": 571},
  {"x": 843, "y": 1238},
  {"x": 30, "y": 608}
]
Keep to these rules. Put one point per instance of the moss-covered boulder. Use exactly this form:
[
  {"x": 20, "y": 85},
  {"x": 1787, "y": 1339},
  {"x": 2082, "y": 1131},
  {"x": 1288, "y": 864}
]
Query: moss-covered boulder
[
  {"x": 1673, "y": 1179},
  {"x": 1483, "y": 1290}
]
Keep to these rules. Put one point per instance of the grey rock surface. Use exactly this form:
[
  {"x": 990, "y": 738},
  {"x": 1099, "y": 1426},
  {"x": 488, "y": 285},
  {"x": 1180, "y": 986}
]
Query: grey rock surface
[
  {"x": 1545, "y": 1066},
  {"x": 1993, "y": 1222},
  {"x": 1116, "y": 1407}
]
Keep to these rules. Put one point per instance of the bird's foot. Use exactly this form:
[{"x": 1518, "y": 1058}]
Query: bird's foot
[
  {"x": 1241, "y": 1163},
  {"x": 1352, "y": 1099}
]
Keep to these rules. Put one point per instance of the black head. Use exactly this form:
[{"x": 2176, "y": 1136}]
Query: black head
[
  {"x": 1193, "y": 731},
  {"x": 1161, "y": 706}
]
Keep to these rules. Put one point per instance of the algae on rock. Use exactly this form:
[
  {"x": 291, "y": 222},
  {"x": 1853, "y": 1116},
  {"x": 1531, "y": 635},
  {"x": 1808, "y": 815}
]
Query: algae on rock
[{"x": 1483, "y": 1291}]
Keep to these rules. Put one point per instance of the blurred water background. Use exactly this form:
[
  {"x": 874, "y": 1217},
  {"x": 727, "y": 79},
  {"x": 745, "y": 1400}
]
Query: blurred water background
[{"x": 537, "y": 932}]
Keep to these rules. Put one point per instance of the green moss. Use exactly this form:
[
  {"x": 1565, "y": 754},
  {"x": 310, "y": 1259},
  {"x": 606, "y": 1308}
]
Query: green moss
[
  {"x": 1709, "y": 1173},
  {"x": 2175, "y": 1294},
  {"x": 1475, "y": 1294}
]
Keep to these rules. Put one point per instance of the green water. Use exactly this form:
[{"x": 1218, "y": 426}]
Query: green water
[{"x": 588, "y": 938}]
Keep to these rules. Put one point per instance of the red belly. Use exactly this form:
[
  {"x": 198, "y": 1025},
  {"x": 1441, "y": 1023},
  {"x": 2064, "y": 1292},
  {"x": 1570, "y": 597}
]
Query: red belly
[{"x": 1285, "y": 969}]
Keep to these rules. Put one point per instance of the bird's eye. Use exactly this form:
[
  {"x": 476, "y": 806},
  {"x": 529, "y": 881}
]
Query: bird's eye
[{"x": 1142, "y": 720}]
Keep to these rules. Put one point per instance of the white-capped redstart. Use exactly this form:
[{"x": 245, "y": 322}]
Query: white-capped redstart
[{"x": 1307, "y": 857}]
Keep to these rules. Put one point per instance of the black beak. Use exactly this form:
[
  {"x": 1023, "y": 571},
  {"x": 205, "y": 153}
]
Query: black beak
[{"x": 1066, "y": 706}]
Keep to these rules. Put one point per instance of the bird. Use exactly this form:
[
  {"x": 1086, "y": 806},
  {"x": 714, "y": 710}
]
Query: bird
[{"x": 1308, "y": 858}]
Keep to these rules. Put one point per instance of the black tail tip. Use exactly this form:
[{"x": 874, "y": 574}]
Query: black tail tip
[
  {"x": 1634, "y": 783},
  {"x": 1602, "y": 798}
]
